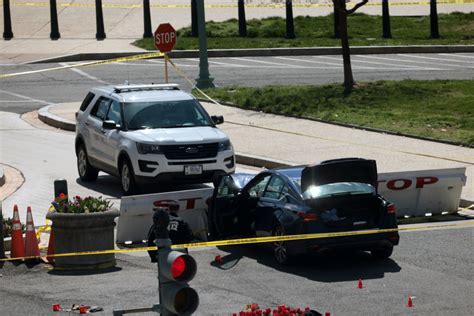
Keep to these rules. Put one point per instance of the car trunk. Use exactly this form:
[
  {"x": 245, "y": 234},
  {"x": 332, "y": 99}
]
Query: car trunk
[{"x": 348, "y": 212}]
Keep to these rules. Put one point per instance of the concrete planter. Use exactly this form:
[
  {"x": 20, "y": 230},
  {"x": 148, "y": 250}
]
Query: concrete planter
[{"x": 84, "y": 232}]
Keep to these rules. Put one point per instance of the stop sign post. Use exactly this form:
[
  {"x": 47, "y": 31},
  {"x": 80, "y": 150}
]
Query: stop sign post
[{"x": 165, "y": 39}]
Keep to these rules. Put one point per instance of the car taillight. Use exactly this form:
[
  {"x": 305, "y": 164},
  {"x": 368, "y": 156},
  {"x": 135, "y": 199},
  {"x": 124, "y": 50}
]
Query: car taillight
[
  {"x": 391, "y": 209},
  {"x": 308, "y": 217}
]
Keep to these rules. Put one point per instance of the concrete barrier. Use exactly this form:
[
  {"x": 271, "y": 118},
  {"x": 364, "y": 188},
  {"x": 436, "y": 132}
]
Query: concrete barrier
[{"x": 417, "y": 193}]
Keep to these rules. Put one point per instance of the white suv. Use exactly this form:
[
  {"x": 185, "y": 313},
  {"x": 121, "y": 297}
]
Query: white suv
[{"x": 149, "y": 134}]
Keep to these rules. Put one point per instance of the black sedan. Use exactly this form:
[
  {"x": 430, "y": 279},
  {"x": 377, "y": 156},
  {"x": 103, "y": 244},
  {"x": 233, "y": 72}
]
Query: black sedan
[{"x": 333, "y": 196}]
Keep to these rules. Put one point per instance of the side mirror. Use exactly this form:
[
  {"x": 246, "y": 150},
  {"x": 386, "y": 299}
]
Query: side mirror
[
  {"x": 110, "y": 125},
  {"x": 217, "y": 119}
]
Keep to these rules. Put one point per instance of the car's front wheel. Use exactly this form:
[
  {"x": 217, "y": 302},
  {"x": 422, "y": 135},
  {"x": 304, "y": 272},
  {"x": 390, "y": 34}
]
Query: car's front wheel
[
  {"x": 280, "y": 248},
  {"x": 383, "y": 252},
  {"x": 127, "y": 178},
  {"x": 84, "y": 168}
]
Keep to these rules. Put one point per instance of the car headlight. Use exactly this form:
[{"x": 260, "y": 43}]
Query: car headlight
[
  {"x": 225, "y": 145},
  {"x": 148, "y": 149}
]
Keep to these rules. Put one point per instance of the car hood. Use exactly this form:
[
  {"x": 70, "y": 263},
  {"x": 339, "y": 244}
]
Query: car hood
[
  {"x": 170, "y": 136},
  {"x": 340, "y": 170}
]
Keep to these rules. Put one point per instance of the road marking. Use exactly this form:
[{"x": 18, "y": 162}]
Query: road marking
[
  {"x": 341, "y": 61},
  {"x": 25, "y": 97},
  {"x": 457, "y": 55},
  {"x": 162, "y": 63},
  {"x": 434, "y": 58},
  {"x": 16, "y": 101},
  {"x": 313, "y": 62},
  {"x": 401, "y": 66},
  {"x": 221, "y": 63},
  {"x": 407, "y": 61},
  {"x": 85, "y": 74},
  {"x": 267, "y": 62}
]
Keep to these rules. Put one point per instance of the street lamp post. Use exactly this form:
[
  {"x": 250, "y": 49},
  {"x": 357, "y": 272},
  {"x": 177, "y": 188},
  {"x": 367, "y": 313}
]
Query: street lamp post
[{"x": 204, "y": 80}]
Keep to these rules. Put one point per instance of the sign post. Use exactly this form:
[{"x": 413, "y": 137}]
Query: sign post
[{"x": 165, "y": 39}]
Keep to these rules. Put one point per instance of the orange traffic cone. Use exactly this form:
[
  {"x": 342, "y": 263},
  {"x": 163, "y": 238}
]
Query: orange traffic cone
[
  {"x": 360, "y": 285},
  {"x": 31, "y": 242},
  {"x": 50, "y": 253},
  {"x": 410, "y": 302},
  {"x": 18, "y": 245}
]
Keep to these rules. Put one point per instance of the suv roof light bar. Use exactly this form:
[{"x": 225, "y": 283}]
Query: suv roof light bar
[{"x": 138, "y": 87}]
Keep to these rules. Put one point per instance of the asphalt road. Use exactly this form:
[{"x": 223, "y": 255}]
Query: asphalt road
[
  {"x": 29, "y": 92},
  {"x": 434, "y": 267}
]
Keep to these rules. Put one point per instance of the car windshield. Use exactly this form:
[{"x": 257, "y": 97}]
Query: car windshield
[
  {"x": 339, "y": 188},
  {"x": 165, "y": 114}
]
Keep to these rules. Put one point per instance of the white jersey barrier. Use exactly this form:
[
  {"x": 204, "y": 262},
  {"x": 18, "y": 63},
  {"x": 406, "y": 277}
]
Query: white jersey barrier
[
  {"x": 416, "y": 193},
  {"x": 136, "y": 213}
]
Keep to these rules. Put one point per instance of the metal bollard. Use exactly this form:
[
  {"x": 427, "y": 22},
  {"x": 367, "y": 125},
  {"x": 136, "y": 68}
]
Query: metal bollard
[
  {"x": 387, "y": 33},
  {"x": 7, "y": 21},
  {"x": 99, "y": 15},
  {"x": 434, "y": 19},
  {"x": 60, "y": 186},
  {"x": 194, "y": 22},
  {"x": 242, "y": 21},
  {"x": 54, "y": 35},
  {"x": 147, "y": 19},
  {"x": 290, "y": 24}
]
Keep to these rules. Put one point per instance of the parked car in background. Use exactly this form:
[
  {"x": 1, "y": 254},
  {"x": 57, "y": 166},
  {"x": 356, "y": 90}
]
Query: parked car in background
[
  {"x": 149, "y": 134},
  {"x": 334, "y": 196}
]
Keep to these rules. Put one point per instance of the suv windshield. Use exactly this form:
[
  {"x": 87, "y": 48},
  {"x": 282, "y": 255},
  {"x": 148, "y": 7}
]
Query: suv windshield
[
  {"x": 164, "y": 114},
  {"x": 340, "y": 188}
]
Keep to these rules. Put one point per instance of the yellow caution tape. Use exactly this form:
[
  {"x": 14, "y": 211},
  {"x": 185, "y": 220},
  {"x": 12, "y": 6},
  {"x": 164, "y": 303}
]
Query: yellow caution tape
[
  {"x": 87, "y": 64},
  {"x": 224, "y": 6},
  {"x": 255, "y": 240}
]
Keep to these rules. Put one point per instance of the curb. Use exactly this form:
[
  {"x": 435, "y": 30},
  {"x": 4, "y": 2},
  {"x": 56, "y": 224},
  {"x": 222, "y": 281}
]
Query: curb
[
  {"x": 53, "y": 120},
  {"x": 267, "y": 52}
]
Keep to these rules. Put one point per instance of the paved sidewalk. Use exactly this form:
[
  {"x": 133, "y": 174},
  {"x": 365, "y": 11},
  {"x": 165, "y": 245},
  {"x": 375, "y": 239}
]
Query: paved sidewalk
[{"x": 277, "y": 139}]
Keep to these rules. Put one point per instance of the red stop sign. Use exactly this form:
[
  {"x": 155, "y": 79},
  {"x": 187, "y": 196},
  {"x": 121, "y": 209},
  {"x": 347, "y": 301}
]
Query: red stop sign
[{"x": 165, "y": 37}]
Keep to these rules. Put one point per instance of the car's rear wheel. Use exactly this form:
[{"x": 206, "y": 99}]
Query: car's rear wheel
[
  {"x": 127, "y": 178},
  {"x": 84, "y": 168},
  {"x": 383, "y": 252},
  {"x": 280, "y": 249}
]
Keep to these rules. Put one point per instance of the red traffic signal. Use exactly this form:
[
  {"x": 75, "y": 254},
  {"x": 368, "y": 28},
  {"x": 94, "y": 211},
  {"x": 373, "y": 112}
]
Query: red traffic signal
[{"x": 176, "y": 269}]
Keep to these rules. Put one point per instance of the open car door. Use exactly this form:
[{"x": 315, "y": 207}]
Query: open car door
[{"x": 223, "y": 207}]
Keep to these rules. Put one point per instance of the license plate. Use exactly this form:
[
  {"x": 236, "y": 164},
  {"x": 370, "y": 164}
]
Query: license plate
[{"x": 192, "y": 169}]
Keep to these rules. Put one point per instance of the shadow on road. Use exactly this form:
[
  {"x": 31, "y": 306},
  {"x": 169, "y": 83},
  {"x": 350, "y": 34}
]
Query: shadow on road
[
  {"x": 84, "y": 272},
  {"x": 328, "y": 267}
]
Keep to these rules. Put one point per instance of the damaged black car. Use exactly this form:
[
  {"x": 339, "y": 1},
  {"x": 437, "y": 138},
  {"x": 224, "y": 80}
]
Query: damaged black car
[{"x": 337, "y": 195}]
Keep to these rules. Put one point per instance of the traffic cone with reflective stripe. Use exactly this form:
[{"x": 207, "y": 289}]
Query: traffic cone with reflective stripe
[
  {"x": 18, "y": 245},
  {"x": 31, "y": 242},
  {"x": 410, "y": 302}
]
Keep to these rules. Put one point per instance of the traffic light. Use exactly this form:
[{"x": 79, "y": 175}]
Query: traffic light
[{"x": 175, "y": 270}]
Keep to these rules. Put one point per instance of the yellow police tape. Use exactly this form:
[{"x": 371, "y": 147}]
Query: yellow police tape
[
  {"x": 224, "y": 6},
  {"x": 255, "y": 240},
  {"x": 87, "y": 64}
]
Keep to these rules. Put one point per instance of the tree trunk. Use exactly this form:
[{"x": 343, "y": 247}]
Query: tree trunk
[{"x": 346, "y": 56}]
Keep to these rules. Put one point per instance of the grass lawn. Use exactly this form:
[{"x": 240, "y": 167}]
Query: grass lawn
[
  {"x": 441, "y": 109},
  {"x": 364, "y": 30}
]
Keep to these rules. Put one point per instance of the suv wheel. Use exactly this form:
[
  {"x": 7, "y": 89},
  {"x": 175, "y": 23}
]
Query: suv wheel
[
  {"x": 382, "y": 253},
  {"x": 280, "y": 250},
  {"x": 127, "y": 178},
  {"x": 84, "y": 168}
]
